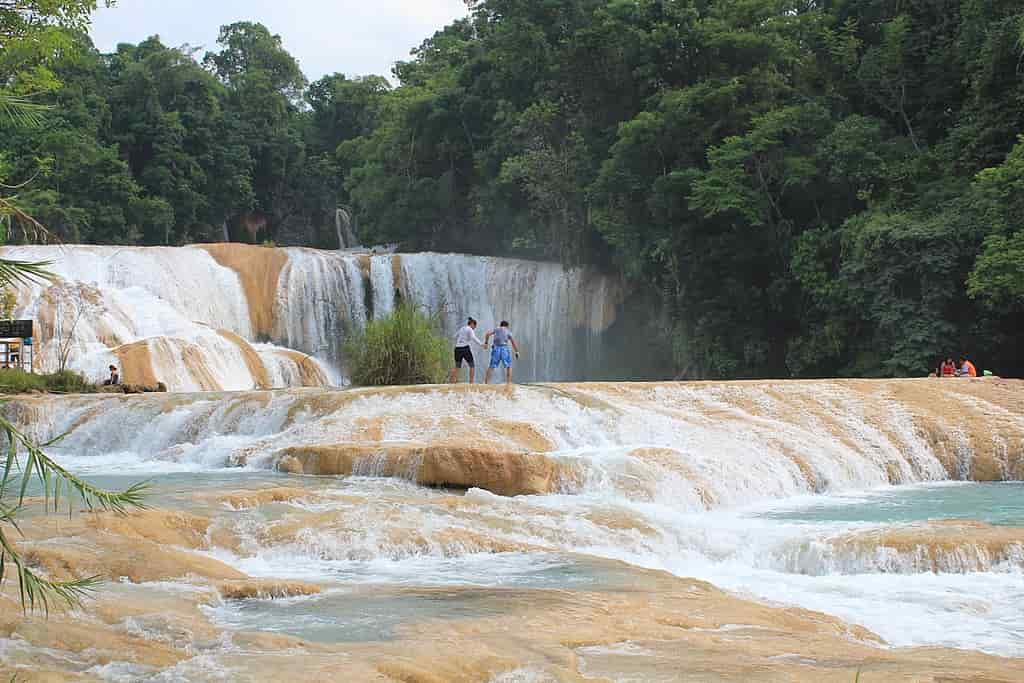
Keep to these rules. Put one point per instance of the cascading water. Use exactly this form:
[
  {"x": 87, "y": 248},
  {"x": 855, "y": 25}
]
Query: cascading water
[
  {"x": 164, "y": 312},
  {"x": 343, "y": 227},
  {"x": 683, "y": 478}
]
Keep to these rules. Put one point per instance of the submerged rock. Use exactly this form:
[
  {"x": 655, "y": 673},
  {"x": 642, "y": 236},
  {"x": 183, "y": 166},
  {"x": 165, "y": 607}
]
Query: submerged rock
[{"x": 238, "y": 589}]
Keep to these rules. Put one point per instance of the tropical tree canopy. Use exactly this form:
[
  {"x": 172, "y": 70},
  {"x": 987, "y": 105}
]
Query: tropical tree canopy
[{"x": 791, "y": 188}]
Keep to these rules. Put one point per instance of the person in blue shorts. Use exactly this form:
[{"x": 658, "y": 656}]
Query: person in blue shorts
[{"x": 501, "y": 353}]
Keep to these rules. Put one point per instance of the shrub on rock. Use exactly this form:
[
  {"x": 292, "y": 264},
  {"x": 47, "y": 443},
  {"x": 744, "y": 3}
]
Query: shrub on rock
[{"x": 405, "y": 347}]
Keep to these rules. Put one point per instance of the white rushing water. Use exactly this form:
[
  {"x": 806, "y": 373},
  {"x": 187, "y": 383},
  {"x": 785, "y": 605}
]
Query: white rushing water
[
  {"x": 685, "y": 478},
  {"x": 176, "y": 302}
]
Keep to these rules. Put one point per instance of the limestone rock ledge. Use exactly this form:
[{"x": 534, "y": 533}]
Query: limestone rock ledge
[
  {"x": 947, "y": 546},
  {"x": 453, "y": 466}
]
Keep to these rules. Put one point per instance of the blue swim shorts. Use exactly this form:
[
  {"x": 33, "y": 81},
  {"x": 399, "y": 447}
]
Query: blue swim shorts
[{"x": 501, "y": 355}]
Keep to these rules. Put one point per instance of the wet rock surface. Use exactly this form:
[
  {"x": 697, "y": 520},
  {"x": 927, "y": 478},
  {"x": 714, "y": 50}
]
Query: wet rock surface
[{"x": 471, "y": 533}]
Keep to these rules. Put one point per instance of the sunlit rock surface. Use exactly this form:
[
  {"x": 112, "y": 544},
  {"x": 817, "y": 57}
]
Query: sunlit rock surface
[
  {"x": 534, "y": 533},
  {"x": 699, "y": 444},
  {"x": 637, "y": 625}
]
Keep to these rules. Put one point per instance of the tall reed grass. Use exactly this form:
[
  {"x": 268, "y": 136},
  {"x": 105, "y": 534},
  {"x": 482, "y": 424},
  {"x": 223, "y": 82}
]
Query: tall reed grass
[
  {"x": 406, "y": 347},
  {"x": 16, "y": 381}
]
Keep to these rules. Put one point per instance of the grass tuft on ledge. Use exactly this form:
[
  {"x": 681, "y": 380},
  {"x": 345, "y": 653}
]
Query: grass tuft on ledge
[
  {"x": 13, "y": 381},
  {"x": 406, "y": 347}
]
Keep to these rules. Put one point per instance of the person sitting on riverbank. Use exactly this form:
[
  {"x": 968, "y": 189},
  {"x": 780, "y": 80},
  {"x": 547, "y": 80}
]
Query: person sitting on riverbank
[
  {"x": 114, "y": 379},
  {"x": 948, "y": 368},
  {"x": 967, "y": 368}
]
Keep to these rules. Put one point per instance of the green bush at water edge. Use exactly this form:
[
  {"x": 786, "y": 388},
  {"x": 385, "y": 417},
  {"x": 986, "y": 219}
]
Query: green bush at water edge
[
  {"x": 14, "y": 381},
  {"x": 406, "y": 347}
]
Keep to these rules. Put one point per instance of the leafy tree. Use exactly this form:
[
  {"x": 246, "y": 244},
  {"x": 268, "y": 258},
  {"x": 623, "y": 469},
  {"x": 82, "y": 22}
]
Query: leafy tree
[
  {"x": 996, "y": 281},
  {"x": 998, "y": 276},
  {"x": 264, "y": 89},
  {"x": 249, "y": 52},
  {"x": 344, "y": 108},
  {"x": 804, "y": 188}
]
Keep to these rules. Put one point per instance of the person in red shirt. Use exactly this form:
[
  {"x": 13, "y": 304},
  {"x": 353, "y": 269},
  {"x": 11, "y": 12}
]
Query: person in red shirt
[
  {"x": 948, "y": 368},
  {"x": 967, "y": 368}
]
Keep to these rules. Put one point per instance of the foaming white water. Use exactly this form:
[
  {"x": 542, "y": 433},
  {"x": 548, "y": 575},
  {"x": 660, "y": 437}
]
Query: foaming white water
[
  {"x": 973, "y": 611},
  {"x": 176, "y": 300},
  {"x": 669, "y": 477},
  {"x": 321, "y": 300},
  {"x": 671, "y": 445},
  {"x": 162, "y": 287},
  {"x": 382, "y": 281},
  {"x": 385, "y": 535},
  {"x": 523, "y": 676},
  {"x": 823, "y": 557}
]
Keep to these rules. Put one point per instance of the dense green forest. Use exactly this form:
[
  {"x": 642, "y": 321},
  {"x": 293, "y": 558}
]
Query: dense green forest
[{"x": 791, "y": 187}]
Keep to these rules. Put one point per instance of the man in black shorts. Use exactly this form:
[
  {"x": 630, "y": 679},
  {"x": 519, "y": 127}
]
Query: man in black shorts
[{"x": 463, "y": 351}]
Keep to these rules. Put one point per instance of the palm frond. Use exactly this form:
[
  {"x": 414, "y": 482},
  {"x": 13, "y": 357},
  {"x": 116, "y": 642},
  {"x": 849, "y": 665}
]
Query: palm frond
[
  {"x": 9, "y": 515},
  {"x": 24, "y": 272},
  {"x": 54, "y": 477},
  {"x": 22, "y": 110},
  {"x": 37, "y": 592},
  {"x": 33, "y": 230},
  {"x": 27, "y": 458}
]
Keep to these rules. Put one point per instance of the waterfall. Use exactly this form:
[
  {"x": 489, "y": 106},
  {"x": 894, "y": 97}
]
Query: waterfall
[
  {"x": 231, "y": 316},
  {"x": 343, "y": 227}
]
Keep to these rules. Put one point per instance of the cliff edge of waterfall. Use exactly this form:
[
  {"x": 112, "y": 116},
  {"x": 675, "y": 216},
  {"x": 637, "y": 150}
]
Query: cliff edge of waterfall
[{"x": 237, "y": 317}]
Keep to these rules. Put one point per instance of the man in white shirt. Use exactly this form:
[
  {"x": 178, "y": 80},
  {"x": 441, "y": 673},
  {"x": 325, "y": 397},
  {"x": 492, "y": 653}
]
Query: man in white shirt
[{"x": 463, "y": 352}]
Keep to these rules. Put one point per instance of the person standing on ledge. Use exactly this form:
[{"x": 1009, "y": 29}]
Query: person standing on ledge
[
  {"x": 114, "y": 378},
  {"x": 463, "y": 351},
  {"x": 500, "y": 354}
]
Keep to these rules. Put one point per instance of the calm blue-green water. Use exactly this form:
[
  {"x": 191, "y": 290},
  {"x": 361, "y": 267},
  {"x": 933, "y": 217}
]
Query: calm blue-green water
[
  {"x": 353, "y": 617},
  {"x": 376, "y": 613},
  {"x": 1001, "y": 504}
]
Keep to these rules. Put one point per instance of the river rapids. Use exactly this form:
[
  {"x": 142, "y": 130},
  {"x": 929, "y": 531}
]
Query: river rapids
[{"x": 550, "y": 531}]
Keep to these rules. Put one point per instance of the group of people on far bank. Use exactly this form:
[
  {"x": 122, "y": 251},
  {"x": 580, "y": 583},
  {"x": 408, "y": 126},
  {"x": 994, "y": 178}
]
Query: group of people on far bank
[
  {"x": 502, "y": 349},
  {"x": 962, "y": 368}
]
